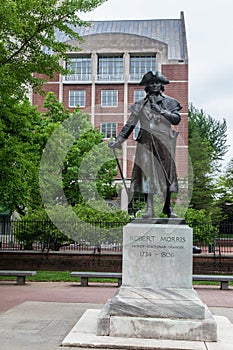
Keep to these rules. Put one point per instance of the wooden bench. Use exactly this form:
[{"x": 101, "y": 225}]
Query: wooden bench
[
  {"x": 20, "y": 275},
  {"x": 223, "y": 279},
  {"x": 86, "y": 275}
]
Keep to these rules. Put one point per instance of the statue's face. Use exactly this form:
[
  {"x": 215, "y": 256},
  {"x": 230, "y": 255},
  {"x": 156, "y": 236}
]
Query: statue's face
[{"x": 154, "y": 87}]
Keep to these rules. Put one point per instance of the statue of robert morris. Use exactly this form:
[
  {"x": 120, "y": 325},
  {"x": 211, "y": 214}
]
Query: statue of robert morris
[{"x": 154, "y": 170}]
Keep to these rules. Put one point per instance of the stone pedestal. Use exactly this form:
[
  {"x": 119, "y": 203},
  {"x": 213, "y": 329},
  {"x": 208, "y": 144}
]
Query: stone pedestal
[{"x": 156, "y": 299}]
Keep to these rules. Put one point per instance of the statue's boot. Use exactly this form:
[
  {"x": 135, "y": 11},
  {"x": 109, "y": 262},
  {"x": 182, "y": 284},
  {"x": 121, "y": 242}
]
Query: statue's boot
[
  {"x": 149, "y": 211},
  {"x": 170, "y": 213},
  {"x": 167, "y": 209}
]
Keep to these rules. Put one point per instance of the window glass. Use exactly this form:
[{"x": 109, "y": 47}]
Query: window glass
[
  {"x": 139, "y": 95},
  {"x": 77, "y": 98},
  {"x": 139, "y": 65},
  {"x": 110, "y": 68},
  {"x": 109, "y": 130},
  {"x": 109, "y": 98},
  {"x": 80, "y": 68}
]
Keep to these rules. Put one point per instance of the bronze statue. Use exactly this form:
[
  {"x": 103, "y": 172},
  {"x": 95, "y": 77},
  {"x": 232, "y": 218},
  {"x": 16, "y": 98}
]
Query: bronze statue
[{"x": 154, "y": 170}]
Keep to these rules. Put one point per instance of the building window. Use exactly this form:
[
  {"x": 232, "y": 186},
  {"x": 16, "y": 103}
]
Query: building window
[
  {"x": 109, "y": 130},
  {"x": 139, "y": 95},
  {"x": 109, "y": 98},
  {"x": 110, "y": 68},
  {"x": 139, "y": 65},
  {"x": 77, "y": 98},
  {"x": 80, "y": 68}
]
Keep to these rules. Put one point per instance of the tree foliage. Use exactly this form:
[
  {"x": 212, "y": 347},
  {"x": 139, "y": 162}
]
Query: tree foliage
[
  {"x": 207, "y": 146},
  {"x": 202, "y": 225},
  {"x": 30, "y": 32},
  {"x": 202, "y": 185},
  {"x": 76, "y": 151},
  {"x": 26, "y": 139},
  {"x": 224, "y": 191},
  {"x": 211, "y": 131},
  {"x": 19, "y": 153}
]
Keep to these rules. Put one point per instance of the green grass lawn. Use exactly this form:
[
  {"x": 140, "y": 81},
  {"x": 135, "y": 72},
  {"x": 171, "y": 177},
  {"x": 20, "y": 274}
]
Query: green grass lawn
[{"x": 57, "y": 276}]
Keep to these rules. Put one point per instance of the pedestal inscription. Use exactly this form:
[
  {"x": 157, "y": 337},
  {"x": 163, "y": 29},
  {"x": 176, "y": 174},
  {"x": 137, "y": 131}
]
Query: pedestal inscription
[{"x": 157, "y": 256}]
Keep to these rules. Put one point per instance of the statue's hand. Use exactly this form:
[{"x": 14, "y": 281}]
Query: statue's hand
[
  {"x": 166, "y": 113},
  {"x": 114, "y": 144},
  {"x": 173, "y": 118},
  {"x": 154, "y": 106}
]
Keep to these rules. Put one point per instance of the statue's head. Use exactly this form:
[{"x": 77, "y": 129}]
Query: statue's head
[{"x": 154, "y": 82}]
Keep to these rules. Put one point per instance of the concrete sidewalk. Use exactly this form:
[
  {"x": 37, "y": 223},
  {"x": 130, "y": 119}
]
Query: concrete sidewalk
[{"x": 39, "y": 315}]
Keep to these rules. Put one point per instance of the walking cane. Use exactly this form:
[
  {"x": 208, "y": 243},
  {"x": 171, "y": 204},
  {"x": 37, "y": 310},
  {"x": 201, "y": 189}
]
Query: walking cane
[
  {"x": 120, "y": 170},
  {"x": 122, "y": 176}
]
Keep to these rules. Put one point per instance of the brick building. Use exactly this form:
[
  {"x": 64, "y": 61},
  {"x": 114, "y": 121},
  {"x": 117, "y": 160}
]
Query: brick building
[{"x": 107, "y": 70}]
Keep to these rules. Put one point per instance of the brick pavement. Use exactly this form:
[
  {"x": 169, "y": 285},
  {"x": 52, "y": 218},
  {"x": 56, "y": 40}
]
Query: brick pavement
[
  {"x": 214, "y": 297},
  {"x": 71, "y": 292},
  {"x": 64, "y": 292}
]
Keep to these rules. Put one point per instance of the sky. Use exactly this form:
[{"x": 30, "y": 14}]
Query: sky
[{"x": 209, "y": 30}]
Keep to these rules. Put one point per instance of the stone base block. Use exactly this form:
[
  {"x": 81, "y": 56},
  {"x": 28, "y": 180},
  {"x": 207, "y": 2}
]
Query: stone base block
[
  {"x": 159, "y": 303},
  {"x": 176, "y": 314},
  {"x": 162, "y": 328}
]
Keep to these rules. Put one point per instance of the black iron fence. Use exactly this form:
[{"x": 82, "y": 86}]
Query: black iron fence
[
  {"x": 65, "y": 236},
  {"x": 95, "y": 237},
  {"x": 221, "y": 242}
]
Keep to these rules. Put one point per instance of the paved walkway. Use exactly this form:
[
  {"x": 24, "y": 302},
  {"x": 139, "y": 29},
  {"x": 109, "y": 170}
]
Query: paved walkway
[
  {"x": 39, "y": 315},
  {"x": 62, "y": 292}
]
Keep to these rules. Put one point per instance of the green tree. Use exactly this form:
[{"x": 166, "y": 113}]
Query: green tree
[
  {"x": 30, "y": 32},
  {"x": 23, "y": 142},
  {"x": 77, "y": 151},
  {"x": 19, "y": 153},
  {"x": 212, "y": 131},
  {"x": 224, "y": 190},
  {"x": 207, "y": 146},
  {"x": 201, "y": 223},
  {"x": 201, "y": 181},
  {"x": 89, "y": 169}
]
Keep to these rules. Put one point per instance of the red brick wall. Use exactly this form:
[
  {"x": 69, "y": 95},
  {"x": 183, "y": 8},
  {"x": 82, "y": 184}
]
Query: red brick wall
[
  {"x": 182, "y": 128},
  {"x": 60, "y": 262},
  {"x": 178, "y": 89},
  {"x": 106, "y": 118},
  {"x": 181, "y": 162},
  {"x": 175, "y": 71},
  {"x": 38, "y": 100},
  {"x": 202, "y": 264}
]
